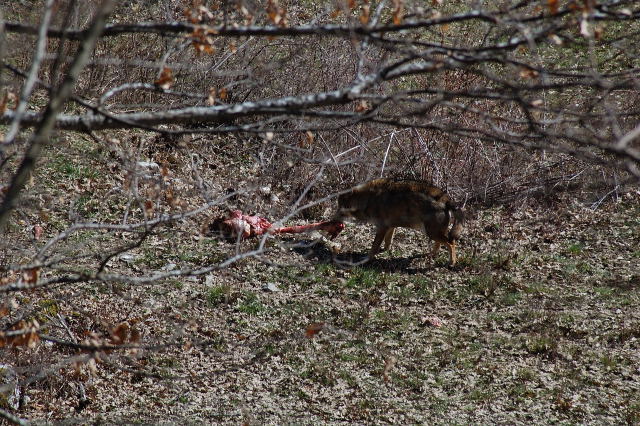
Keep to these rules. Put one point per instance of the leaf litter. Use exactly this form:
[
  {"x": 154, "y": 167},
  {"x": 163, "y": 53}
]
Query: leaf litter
[{"x": 540, "y": 320}]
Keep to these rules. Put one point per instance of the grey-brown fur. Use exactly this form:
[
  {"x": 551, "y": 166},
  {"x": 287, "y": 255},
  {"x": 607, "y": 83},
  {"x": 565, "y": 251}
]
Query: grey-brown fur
[{"x": 388, "y": 204}]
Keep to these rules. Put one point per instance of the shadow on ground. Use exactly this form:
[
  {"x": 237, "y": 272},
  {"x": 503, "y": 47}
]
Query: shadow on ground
[{"x": 318, "y": 252}]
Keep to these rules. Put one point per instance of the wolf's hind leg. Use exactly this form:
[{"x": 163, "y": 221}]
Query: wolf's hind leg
[
  {"x": 436, "y": 247},
  {"x": 452, "y": 253},
  {"x": 377, "y": 241},
  {"x": 388, "y": 238}
]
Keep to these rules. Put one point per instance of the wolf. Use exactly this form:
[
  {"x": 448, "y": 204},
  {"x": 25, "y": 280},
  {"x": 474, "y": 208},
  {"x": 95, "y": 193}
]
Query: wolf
[{"x": 388, "y": 204}]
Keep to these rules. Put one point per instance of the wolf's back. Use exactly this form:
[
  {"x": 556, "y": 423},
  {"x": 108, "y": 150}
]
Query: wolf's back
[{"x": 441, "y": 200}]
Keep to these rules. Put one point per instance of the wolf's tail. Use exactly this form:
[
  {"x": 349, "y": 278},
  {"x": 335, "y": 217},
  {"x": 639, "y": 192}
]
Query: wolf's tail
[{"x": 458, "y": 221}]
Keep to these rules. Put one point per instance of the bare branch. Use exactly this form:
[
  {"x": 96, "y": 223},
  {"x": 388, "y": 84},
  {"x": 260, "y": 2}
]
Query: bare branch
[{"x": 47, "y": 121}]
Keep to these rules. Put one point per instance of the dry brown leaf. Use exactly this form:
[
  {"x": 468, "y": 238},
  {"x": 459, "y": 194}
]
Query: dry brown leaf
[
  {"x": 363, "y": 106},
  {"x": 598, "y": 31},
  {"x": 204, "y": 47},
  {"x": 528, "y": 73},
  {"x": 398, "y": 12},
  {"x": 9, "y": 101},
  {"x": 120, "y": 333},
  {"x": 588, "y": 5},
  {"x": 432, "y": 321},
  {"x": 313, "y": 329},
  {"x": 30, "y": 276},
  {"x": 148, "y": 207},
  {"x": 202, "y": 40},
  {"x": 365, "y": 14},
  {"x": 389, "y": 363},
  {"x": 276, "y": 14},
  {"x": 165, "y": 81},
  {"x": 37, "y": 232},
  {"x": 135, "y": 335},
  {"x": 204, "y": 11},
  {"x": 573, "y": 6},
  {"x": 168, "y": 195},
  {"x": 308, "y": 139},
  {"x": 3, "y": 103},
  {"x": 191, "y": 16},
  {"x": 26, "y": 335}
]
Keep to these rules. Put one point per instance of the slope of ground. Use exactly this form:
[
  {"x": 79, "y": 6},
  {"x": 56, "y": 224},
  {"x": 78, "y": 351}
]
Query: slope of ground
[{"x": 539, "y": 323}]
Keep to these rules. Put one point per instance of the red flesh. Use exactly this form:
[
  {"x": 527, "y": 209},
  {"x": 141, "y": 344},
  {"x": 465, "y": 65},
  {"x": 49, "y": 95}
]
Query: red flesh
[{"x": 245, "y": 226}]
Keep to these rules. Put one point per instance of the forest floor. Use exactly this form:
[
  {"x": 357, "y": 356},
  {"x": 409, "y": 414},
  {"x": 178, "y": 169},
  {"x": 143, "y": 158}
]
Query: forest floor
[{"x": 538, "y": 323}]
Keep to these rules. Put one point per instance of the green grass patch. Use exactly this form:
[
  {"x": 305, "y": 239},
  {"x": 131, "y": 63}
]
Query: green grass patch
[
  {"x": 575, "y": 248},
  {"x": 250, "y": 304},
  {"x": 363, "y": 278},
  {"x": 605, "y": 291},
  {"x": 484, "y": 284},
  {"x": 540, "y": 344},
  {"x": 218, "y": 295},
  {"x": 64, "y": 167}
]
